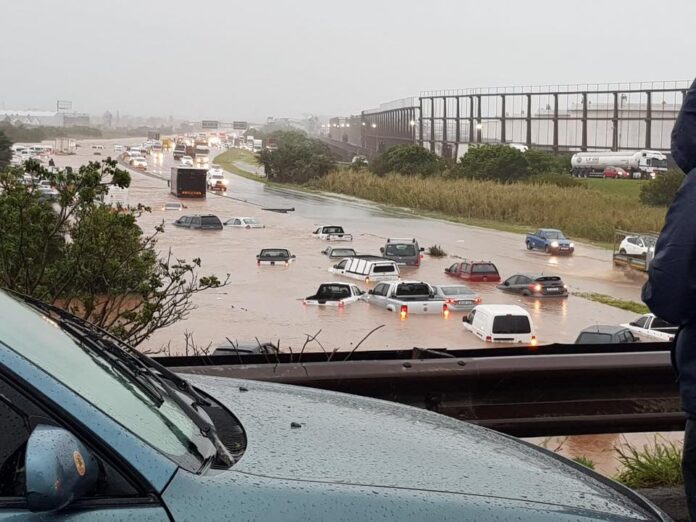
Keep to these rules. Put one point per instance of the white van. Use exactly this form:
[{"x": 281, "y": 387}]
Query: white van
[
  {"x": 367, "y": 268},
  {"x": 501, "y": 324},
  {"x": 116, "y": 197}
]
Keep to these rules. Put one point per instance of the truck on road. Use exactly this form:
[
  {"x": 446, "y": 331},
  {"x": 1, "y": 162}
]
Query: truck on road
[
  {"x": 188, "y": 182},
  {"x": 407, "y": 297},
  {"x": 645, "y": 164},
  {"x": 652, "y": 327}
]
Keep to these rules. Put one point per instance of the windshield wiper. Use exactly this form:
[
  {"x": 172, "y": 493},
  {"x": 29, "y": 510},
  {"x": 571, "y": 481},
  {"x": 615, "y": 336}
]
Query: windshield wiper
[{"x": 139, "y": 367}]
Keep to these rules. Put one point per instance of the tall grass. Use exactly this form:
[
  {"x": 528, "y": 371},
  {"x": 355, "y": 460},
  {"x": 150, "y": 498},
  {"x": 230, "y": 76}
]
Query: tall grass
[
  {"x": 579, "y": 212},
  {"x": 649, "y": 467}
]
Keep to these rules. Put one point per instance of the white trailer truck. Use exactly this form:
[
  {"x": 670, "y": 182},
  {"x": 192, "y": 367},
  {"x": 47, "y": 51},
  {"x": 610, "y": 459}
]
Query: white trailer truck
[{"x": 645, "y": 164}]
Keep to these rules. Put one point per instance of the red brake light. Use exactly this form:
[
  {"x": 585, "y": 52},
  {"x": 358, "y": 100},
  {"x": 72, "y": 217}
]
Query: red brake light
[
  {"x": 404, "y": 311},
  {"x": 489, "y": 339},
  {"x": 478, "y": 300},
  {"x": 445, "y": 311},
  {"x": 535, "y": 288}
]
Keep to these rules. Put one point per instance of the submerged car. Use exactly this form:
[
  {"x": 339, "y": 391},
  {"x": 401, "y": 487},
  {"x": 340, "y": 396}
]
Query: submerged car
[
  {"x": 534, "y": 285},
  {"x": 335, "y": 294},
  {"x": 474, "y": 271},
  {"x": 274, "y": 256},
  {"x": 339, "y": 252},
  {"x": 244, "y": 222},
  {"x": 331, "y": 233},
  {"x": 459, "y": 298},
  {"x": 207, "y": 222},
  {"x": 94, "y": 430},
  {"x": 173, "y": 205},
  {"x": 606, "y": 334}
]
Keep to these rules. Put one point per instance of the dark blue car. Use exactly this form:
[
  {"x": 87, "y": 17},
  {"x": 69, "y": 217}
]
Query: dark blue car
[
  {"x": 549, "y": 240},
  {"x": 91, "y": 430}
]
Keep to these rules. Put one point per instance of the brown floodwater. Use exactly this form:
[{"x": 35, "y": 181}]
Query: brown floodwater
[{"x": 266, "y": 302}]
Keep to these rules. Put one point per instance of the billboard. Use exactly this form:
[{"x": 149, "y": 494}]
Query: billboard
[
  {"x": 210, "y": 124},
  {"x": 240, "y": 125},
  {"x": 63, "y": 105}
]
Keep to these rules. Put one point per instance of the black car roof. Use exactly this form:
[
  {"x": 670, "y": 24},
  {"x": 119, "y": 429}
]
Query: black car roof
[{"x": 604, "y": 329}]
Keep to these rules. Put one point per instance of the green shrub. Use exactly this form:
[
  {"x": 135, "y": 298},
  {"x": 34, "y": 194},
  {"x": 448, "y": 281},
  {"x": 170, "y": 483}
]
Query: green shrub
[
  {"x": 649, "y": 467},
  {"x": 297, "y": 159},
  {"x": 436, "y": 251},
  {"x": 494, "y": 162},
  {"x": 409, "y": 160},
  {"x": 661, "y": 190},
  {"x": 584, "y": 461},
  {"x": 560, "y": 180}
]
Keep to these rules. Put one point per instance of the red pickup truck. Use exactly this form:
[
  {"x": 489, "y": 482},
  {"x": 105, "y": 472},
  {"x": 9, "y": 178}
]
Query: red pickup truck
[{"x": 475, "y": 271}]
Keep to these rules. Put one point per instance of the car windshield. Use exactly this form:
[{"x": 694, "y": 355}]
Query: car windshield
[
  {"x": 251, "y": 221},
  {"x": 383, "y": 269},
  {"x": 594, "y": 338},
  {"x": 412, "y": 289},
  {"x": 173, "y": 205},
  {"x": 167, "y": 428},
  {"x": 511, "y": 324},
  {"x": 553, "y": 234},
  {"x": 342, "y": 252},
  {"x": 484, "y": 268},
  {"x": 456, "y": 290},
  {"x": 274, "y": 253},
  {"x": 398, "y": 249}
]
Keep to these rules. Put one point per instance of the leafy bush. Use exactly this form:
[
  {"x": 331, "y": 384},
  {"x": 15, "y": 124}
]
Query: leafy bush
[
  {"x": 297, "y": 159},
  {"x": 661, "y": 190},
  {"x": 540, "y": 162},
  {"x": 651, "y": 467},
  {"x": 5, "y": 150},
  {"x": 584, "y": 461},
  {"x": 494, "y": 162},
  {"x": 436, "y": 251},
  {"x": 409, "y": 160},
  {"x": 552, "y": 178}
]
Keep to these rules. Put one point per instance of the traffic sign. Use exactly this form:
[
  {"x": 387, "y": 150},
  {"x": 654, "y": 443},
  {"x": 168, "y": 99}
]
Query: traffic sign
[{"x": 210, "y": 124}]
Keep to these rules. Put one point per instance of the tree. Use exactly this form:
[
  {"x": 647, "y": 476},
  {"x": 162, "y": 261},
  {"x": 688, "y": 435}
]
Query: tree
[
  {"x": 256, "y": 133},
  {"x": 5, "y": 150},
  {"x": 540, "y": 162},
  {"x": 88, "y": 258},
  {"x": 297, "y": 159},
  {"x": 661, "y": 190},
  {"x": 409, "y": 160},
  {"x": 494, "y": 162}
]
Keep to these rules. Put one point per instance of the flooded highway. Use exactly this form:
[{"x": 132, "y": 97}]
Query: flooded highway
[{"x": 266, "y": 302}]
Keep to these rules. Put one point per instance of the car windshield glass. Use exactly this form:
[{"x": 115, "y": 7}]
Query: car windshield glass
[
  {"x": 455, "y": 290},
  {"x": 548, "y": 279},
  {"x": 274, "y": 253},
  {"x": 210, "y": 221},
  {"x": 400, "y": 250},
  {"x": 412, "y": 289},
  {"x": 166, "y": 428},
  {"x": 594, "y": 338},
  {"x": 333, "y": 230},
  {"x": 553, "y": 234},
  {"x": 484, "y": 268},
  {"x": 173, "y": 205},
  {"x": 251, "y": 221},
  {"x": 342, "y": 252},
  {"x": 511, "y": 324},
  {"x": 333, "y": 291}
]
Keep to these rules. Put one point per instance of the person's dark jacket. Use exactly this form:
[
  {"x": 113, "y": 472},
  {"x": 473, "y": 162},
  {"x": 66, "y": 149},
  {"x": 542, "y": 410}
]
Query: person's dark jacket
[{"x": 670, "y": 292}]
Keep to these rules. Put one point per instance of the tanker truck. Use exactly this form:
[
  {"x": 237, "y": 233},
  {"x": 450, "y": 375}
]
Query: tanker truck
[{"x": 645, "y": 164}]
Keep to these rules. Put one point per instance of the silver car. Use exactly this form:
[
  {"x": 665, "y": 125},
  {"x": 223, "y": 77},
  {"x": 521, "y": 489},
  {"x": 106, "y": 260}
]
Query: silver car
[{"x": 459, "y": 298}]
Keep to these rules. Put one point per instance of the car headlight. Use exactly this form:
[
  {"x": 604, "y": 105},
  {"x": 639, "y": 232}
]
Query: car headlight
[
  {"x": 572, "y": 245},
  {"x": 554, "y": 244},
  {"x": 225, "y": 182}
]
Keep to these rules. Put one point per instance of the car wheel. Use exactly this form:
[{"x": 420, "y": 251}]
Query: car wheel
[
  {"x": 529, "y": 245},
  {"x": 622, "y": 251},
  {"x": 526, "y": 293}
]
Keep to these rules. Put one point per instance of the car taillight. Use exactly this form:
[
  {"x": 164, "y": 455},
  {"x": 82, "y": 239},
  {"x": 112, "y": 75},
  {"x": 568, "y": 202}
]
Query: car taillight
[
  {"x": 449, "y": 301},
  {"x": 445, "y": 311},
  {"x": 534, "y": 341},
  {"x": 404, "y": 311},
  {"x": 341, "y": 304},
  {"x": 258, "y": 262},
  {"x": 478, "y": 300},
  {"x": 535, "y": 288},
  {"x": 489, "y": 339},
  {"x": 248, "y": 226}
]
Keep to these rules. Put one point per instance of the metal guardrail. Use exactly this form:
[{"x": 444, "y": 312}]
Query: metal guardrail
[{"x": 526, "y": 392}]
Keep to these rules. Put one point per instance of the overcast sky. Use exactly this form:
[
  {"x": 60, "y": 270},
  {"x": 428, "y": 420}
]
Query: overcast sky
[{"x": 228, "y": 59}]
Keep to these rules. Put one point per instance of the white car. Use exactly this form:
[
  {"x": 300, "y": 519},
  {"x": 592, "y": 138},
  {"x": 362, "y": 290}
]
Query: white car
[
  {"x": 459, "y": 298},
  {"x": 173, "y": 205},
  {"x": 139, "y": 163},
  {"x": 331, "y": 233},
  {"x": 217, "y": 182},
  {"x": 186, "y": 161},
  {"x": 652, "y": 327},
  {"x": 244, "y": 222},
  {"x": 637, "y": 246},
  {"x": 501, "y": 324},
  {"x": 216, "y": 169}
]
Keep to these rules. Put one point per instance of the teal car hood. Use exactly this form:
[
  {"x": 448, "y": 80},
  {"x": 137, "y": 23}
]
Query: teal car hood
[{"x": 341, "y": 445}]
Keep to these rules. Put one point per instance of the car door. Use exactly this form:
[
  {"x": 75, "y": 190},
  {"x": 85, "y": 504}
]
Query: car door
[
  {"x": 378, "y": 297},
  {"x": 463, "y": 271},
  {"x": 115, "y": 497},
  {"x": 195, "y": 222},
  {"x": 340, "y": 268},
  {"x": 521, "y": 284},
  {"x": 237, "y": 223},
  {"x": 454, "y": 269},
  {"x": 509, "y": 284}
]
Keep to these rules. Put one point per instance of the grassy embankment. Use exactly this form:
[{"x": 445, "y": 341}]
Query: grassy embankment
[
  {"x": 227, "y": 161},
  {"x": 591, "y": 214}
]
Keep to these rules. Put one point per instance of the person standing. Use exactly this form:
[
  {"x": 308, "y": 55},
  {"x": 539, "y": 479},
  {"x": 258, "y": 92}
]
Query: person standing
[{"x": 670, "y": 291}]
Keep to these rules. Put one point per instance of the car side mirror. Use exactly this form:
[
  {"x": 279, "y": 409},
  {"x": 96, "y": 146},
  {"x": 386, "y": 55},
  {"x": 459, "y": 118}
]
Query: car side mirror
[
  {"x": 293, "y": 256},
  {"x": 371, "y": 292},
  {"x": 506, "y": 283},
  {"x": 59, "y": 469},
  {"x": 258, "y": 256},
  {"x": 336, "y": 266},
  {"x": 447, "y": 270},
  {"x": 633, "y": 323},
  {"x": 422, "y": 249},
  {"x": 381, "y": 249}
]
